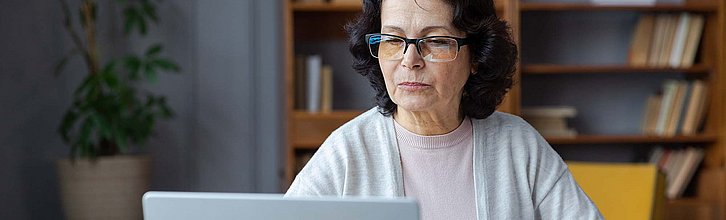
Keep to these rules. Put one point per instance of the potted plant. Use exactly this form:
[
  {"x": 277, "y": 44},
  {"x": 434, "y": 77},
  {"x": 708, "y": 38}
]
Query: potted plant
[{"x": 110, "y": 114}]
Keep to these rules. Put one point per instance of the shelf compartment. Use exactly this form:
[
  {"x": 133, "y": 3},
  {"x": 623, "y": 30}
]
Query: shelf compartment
[
  {"x": 700, "y": 7},
  {"x": 587, "y": 69},
  {"x": 691, "y": 208},
  {"x": 310, "y": 129},
  {"x": 630, "y": 139}
]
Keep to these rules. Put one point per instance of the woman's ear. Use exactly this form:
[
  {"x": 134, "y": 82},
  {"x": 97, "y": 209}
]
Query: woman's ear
[{"x": 473, "y": 69}]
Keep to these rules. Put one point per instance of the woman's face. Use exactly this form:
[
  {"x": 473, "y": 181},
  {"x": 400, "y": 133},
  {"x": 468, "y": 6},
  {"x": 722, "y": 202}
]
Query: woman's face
[{"x": 413, "y": 83}]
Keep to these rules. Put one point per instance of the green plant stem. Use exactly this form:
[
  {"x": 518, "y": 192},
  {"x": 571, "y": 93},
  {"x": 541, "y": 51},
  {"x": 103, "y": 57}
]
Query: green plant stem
[
  {"x": 87, "y": 11},
  {"x": 75, "y": 36}
]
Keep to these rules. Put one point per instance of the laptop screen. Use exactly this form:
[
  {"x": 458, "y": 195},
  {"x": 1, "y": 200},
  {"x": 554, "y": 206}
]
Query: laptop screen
[{"x": 197, "y": 205}]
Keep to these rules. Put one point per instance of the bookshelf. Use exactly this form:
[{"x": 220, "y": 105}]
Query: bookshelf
[
  {"x": 709, "y": 199},
  {"x": 304, "y": 22}
]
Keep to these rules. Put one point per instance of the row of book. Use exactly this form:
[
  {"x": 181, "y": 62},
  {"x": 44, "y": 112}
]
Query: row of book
[
  {"x": 679, "y": 108},
  {"x": 313, "y": 84},
  {"x": 666, "y": 40},
  {"x": 679, "y": 165},
  {"x": 551, "y": 121}
]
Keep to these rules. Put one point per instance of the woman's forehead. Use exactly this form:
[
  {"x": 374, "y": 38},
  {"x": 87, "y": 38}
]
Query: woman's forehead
[{"x": 407, "y": 14}]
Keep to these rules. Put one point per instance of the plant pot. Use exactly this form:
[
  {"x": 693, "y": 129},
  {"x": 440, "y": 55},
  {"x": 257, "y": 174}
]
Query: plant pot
[{"x": 107, "y": 188}]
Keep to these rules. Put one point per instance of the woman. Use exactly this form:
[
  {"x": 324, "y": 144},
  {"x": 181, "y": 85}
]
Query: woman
[{"x": 440, "y": 68}]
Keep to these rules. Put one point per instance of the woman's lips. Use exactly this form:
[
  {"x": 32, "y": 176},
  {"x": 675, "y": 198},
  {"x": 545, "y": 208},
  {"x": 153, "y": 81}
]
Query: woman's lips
[{"x": 413, "y": 86}]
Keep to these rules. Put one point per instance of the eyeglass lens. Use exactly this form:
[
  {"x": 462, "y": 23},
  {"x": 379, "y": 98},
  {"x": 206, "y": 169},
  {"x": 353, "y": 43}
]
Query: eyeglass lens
[{"x": 435, "y": 49}]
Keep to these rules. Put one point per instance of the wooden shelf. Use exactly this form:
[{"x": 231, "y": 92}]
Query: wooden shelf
[
  {"x": 309, "y": 129},
  {"x": 524, "y": 7},
  {"x": 629, "y": 139},
  {"x": 691, "y": 208},
  {"x": 587, "y": 69}
]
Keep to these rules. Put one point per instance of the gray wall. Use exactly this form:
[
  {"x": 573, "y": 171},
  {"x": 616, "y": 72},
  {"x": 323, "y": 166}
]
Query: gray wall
[{"x": 227, "y": 130}]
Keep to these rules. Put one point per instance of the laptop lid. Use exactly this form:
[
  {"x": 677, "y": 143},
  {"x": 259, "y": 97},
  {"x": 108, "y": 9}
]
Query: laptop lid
[{"x": 239, "y": 206}]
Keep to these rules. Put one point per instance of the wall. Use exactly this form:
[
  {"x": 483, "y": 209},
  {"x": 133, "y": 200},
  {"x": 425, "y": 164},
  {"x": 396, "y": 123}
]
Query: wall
[{"x": 225, "y": 136}]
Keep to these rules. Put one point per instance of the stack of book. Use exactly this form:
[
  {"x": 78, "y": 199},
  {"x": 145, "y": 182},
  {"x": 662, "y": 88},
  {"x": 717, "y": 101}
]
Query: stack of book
[
  {"x": 679, "y": 165},
  {"x": 551, "y": 121},
  {"x": 678, "y": 109},
  {"x": 666, "y": 40},
  {"x": 313, "y": 84}
]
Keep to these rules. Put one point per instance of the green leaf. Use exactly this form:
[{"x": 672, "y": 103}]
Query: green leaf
[
  {"x": 85, "y": 85},
  {"x": 69, "y": 119},
  {"x": 84, "y": 138},
  {"x": 154, "y": 50},
  {"x": 120, "y": 138},
  {"x": 110, "y": 77},
  {"x": 150, "y": 10},
  {"x": 150, "y": 73},
  {"x": 133, "y": 64},
  {"x": 131, "y": 18},
  {"x": 142, "y": 25}
]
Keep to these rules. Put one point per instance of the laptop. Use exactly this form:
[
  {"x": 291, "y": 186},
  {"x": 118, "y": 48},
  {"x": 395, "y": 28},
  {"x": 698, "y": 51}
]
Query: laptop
[{"x": 241, "y": 206}]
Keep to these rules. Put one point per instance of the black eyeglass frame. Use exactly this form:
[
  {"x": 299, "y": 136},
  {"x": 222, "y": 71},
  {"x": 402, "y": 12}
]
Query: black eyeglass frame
[{"x": 415, "y": 41}]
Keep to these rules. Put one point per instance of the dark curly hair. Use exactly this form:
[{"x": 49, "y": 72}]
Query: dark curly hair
[{"x": 492, "y": 50}]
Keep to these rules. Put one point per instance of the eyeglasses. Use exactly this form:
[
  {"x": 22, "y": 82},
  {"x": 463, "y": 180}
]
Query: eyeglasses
[{"x": 432, "y": 48}]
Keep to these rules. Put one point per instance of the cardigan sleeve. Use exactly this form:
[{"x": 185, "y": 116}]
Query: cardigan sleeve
[
  {"x": 322, "y": 175},
  {"x": 566, "y": 200},
  {"x": 558, "y": 195}
]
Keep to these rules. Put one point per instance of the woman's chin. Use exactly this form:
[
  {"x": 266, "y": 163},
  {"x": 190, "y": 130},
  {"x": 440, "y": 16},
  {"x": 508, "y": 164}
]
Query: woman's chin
[{"x": 415, "y": 106}]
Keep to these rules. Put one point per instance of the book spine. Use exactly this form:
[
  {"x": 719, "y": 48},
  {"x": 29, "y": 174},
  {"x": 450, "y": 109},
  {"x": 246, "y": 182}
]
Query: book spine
[{"x": 314, "y": 65}]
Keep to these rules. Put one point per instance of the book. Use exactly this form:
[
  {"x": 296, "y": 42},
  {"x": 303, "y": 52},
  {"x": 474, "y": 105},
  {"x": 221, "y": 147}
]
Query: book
[
  {"x": 620, "y": 190},
  {"x": 656, "y": 44},
  {"x": 550, "y": 120},
  {"x": 669, "y": 90},
  {"x": 554, "y": 123},
  {"x": 688, "y": 127},
  {"x": 650, "y": 114},
  {"x": 549, "y": 111},
  {"x": 300, "y": 82},
  {"x": 683, "y": 107},
  {"x": 683, "y": 175},
  {"x": 693, "y": 38},
  {"x": 669, "y": 32},
  {"x": 640, "y": 43},
  {"x": 676, "y": 108},
  {"x": 314, "y": 65},
  {"x": 326, "y": 104},
  {"x": 701, "y": 108},
  {"x": 679, "y": 42}
]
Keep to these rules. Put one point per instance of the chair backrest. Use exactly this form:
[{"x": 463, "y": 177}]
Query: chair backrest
[{"x": 622, "y": 190}]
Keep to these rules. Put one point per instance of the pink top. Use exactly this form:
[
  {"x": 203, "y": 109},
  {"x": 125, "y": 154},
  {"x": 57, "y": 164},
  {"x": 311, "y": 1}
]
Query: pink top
[{"x": 438, "y": 172}]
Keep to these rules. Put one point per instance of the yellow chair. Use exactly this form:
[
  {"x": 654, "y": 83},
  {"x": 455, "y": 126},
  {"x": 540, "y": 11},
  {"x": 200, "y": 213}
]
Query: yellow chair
[{"x": 622, "y": 190}]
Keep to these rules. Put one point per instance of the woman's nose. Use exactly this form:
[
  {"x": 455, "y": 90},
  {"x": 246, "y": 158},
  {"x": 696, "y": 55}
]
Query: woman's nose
[{"x": 411, "y": 58}]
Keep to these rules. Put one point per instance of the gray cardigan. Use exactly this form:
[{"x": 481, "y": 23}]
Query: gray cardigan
[{"x": 517, "y": 175}]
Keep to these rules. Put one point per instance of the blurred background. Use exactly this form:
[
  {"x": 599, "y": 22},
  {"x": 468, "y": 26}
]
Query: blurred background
[
  {"x": 227, "y": 131},
  {"x": 255, "y": 86}
]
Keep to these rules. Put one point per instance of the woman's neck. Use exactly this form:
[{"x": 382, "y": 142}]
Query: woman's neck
[{"x": 428, "y": 123}]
